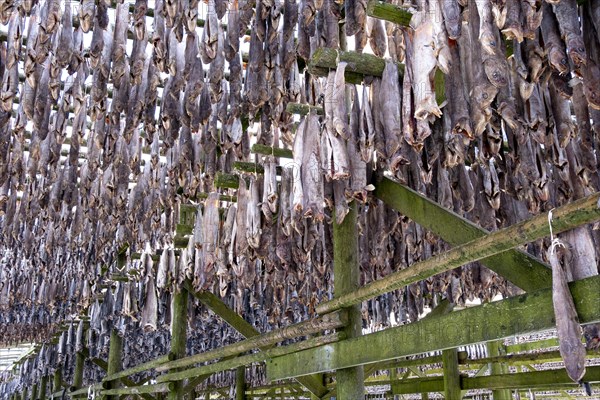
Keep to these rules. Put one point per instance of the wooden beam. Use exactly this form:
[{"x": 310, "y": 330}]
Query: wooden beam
[
  {"x": 142, "y": 389},
  {"x": 303, "y": 109},
  {"x": 329, "y": 321},
  {"x": 388, "y": 12},
  {"x": 528, "y": 346},
  {"x": 114, "y": 363},
  {"x": 78, "y": 373},
  {"x": 251, "y": 358},
  {"x": 496, "y": 349},
  {"x": 566, "y": 217},
  {"x": 359, "y": 64},
  {"x": 138, "y": 368},
  {"x": 346, "y": 273},
  {"x": 216, "y": 305},
  {"x": 451, "y": 374},
  {"x": 43, "y": 386},
  {"x": 525, "y": 380},
  {"x": 272, "y": 151},
  {"x": 178, "y": 337},
  {"x": 522, "y": 269},
  {"x": 313, "y": 384},
  {"x": 522, "y": 314},
  {"x": 240, "y": 383}
]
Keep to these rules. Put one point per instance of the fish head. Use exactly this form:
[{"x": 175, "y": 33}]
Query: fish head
[{"x": 496, "y": 72}]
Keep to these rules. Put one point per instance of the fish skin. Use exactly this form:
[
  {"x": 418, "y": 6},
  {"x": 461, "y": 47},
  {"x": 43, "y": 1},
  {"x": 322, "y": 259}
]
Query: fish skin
[
  {"x": 513, "y": 28},
  {"x": 452, "y": 17},
  {"x": 87, "y": 12},
  {"x": 377, "y": 36},
  {"x": 571, "y": 348},
  {"x": 554, "y": 46},
  {"x": 423, "y": 68},
  {"x": 311, "y": 174},
  {"x": 391, "y": 104},
  {"x": 568, "y": 23}
]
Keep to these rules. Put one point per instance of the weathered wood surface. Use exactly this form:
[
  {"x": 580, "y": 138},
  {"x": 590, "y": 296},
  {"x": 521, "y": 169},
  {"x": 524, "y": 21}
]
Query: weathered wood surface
[
  {"x": 571, "y": 215},
  {"x": 251, "y": 358},
  {"x": 491, "y": 321},
  {"x": 388, "y": 12},
  {"x": 329, "y": 321},
  {"x": 522, "y": 269}
]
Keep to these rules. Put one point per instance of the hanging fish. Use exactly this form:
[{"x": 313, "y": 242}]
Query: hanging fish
[
  {"x": 568, "y": 22},
  {"x": 572, "y": 350}
]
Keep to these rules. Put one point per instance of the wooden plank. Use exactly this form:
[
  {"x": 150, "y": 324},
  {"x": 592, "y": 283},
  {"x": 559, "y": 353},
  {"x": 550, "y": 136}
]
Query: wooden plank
[
  {"x": 388, "y": 12},
  {"x": 496, "y": 349},
  {"x": 114, "y": 363},
  {"x": 346, "y": 272},
  {"x": 329, "y": 321},
  {"x": 178, "y": 337},
  {"x": 522, "y": 314},
  {"x": 250, "y": 358},
  {"x": 240, "y": 383},
  {"x": 568, "y": 216},
  {"x": 143, "y": 389},
  {"x": 216, "y": 305},
  {"x": 522, "y": 269},
  {"x": 272, "y": 151},
  {"x": 303, "y": 109},
  {"x": 451, "y": 374},
  {"x": 540, "y": 380},
  {"x": 526, "y": 380},
  {"x": 313, "y": 383}
]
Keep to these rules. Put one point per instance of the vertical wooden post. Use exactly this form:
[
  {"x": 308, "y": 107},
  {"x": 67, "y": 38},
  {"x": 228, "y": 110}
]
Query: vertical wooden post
[
  {"x": 57, "y": 380},
  {"x": 496, "y": 349},
  {"x": 24, "y": 394},
  {"x": 78, "y": 374},
  {"x": 346, "y": 272},
  {"x": 451, "y": 374},
  {"x": 34, "y": 391},
  {"x": 240, "y": 383},
  {"x": 178, "y": 336},
  {"x": 43, "y": 384},
  {"x": 115, "y": 349}
]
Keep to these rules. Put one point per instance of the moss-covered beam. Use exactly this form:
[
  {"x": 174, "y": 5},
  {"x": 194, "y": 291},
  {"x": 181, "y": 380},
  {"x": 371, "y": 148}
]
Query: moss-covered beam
[
  {"x": 226, "y": 181},
  {"x": 525, "y": 380},
  {"x": 240, "y": 383},
  {"x": 329, "y": 321},
  {"x": 114, "y": 363},
  {"x": 346, "y": 272},
  {"x": 568, "y": 216},
  {"x": 538, "y": 380},
  {"x": 496, "y": 349},
  {"x": 217, "y": 306},
  {"x": 138, "y": 368},
  {"x": 451, "y": 374},
  {"x": 522, "y": 269},
  {"x": 251, "y": 358},
  {"x": 388, "y": 12},
  {"x": 359, "y": 64},
  {"x": 272, "y": 151},
  {"x": 43, "y": 387},
  {"x": 178, "y": 337},
  {"x": 491, "y": 321},
  {"x": 303, "y": 109},
  {"x": 528, "y": 346}
]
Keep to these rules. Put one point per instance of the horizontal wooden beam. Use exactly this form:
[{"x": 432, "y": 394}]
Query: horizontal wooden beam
[
  {"x": 522, "y": 269},
  {"x": 213, "y": 303},
  {"x": 138, "y": 368},
  {"x": 522, "y": 314},
  {"x": 251, "y": 358},
  {"x": 359, "y": 64},
  {"x": 303, "y": 109},
  {"x": 272, "y": 151},
  {"x": 388, "y": 12},
  {"x": 566, "y": 217},
  {"x": 329, "y": 321},
  {"x": 547, "y": 380},
  {"x": 143, "y": 389}
]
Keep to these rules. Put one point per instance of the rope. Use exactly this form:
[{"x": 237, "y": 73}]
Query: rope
[{"x": 554, "y": 242}]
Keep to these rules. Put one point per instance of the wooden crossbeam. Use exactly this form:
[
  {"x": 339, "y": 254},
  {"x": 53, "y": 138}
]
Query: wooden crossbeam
[
  {"x": 546, "y": 380},
  {"x": 388, "y": 12},
  {"x": 522, "y": 314},
  {"x": 566, "y": 217},
  {"x": 313, "y": 383},
  {"x": 522, "y": 269}
]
